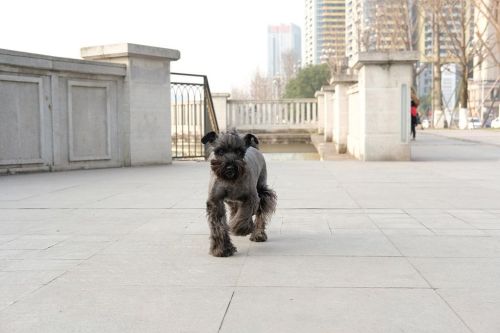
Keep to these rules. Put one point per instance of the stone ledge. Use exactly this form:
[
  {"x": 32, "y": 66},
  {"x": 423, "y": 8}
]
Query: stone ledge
[
  {"x": 327, "y": 150},
  {"x": 128, "y": 50},
  {"x": 221, "y": 95},
  {"x": 343, "y": 78},
  {"x": 38, "y": 61},
  {"x": 380, "y": 58},
  {"x": 319, "y": 93},
  {"x": 328, "y": 88}
]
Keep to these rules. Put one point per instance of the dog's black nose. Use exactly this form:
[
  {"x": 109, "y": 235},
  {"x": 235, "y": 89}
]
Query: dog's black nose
[{"x": 230, "y": 171}]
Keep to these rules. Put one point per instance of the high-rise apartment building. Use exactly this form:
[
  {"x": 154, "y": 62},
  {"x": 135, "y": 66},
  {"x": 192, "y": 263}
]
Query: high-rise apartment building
[
  {"x": 324, "y": 28},
  {"x": 284, "y": 50},
  {"x": 376, "y": 25}
]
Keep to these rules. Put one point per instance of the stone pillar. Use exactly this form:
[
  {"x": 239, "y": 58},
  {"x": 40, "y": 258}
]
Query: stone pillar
[
  {"x": 384, "y": 80},
  {"x": 220, "y": 106},
  {"x": 328, "y": 112},
  {"x": 320, "y": 95},
  {"x": 146, "y": 98},
  {"x": 341, "y": 82}
]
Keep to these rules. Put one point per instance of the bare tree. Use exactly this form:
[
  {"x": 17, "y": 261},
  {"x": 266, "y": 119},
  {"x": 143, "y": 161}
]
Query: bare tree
[
  {"x": 383, "y": 25},
  {"x": 429, "y": 17},
  {"x": 459, "y": 39},
  {"x": 239, "y": 93},
  {"x": 487, "y": 37},
  {"x": 457, "y": 20},
  {"x": 437, "y": 93},
  {"x": 334, "y": 53},
  {"x": 392, "y": 25},
  {"x": 260, "y": 87},
  {"x": 489, "y": 10},
  {"x": 289, "y": 62}
]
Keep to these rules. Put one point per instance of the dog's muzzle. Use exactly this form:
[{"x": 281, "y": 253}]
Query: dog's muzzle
[{"x": 229, "y": 170}]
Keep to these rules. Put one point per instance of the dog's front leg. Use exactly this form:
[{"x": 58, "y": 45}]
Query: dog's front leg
[
  {"x": 241, "y": 224},
  {"x": 220, "y": 243}
]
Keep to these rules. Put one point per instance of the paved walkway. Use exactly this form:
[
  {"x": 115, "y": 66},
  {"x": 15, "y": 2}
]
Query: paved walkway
[
  {"x": 456, "y": 145},
  {"x": 487, "y": 136},
  {"x": 353, "y": 247}
]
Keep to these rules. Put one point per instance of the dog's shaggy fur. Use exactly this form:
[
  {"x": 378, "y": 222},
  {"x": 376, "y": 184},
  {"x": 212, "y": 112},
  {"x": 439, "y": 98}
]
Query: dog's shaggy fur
[{"x": 238, "y": 179}]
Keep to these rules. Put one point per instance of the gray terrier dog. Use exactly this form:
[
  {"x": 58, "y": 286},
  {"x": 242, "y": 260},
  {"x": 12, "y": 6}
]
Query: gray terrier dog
[{"x": 239, "y": 179}]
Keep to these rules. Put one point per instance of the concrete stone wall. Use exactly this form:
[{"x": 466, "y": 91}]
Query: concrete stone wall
[
  {"x": 341, "y": 85},
  {"x": 354, "y": 124},
  {"x": 381, "y": 96},
  {"x": 59, "y": 113},
  {"x": 369, "y": 114},
  {"x": 220, "y": 106},
  {"x": 328, "y": 100},
  {"x": 320, "y": 95}
]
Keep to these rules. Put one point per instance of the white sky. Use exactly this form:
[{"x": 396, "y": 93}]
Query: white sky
[{"x": 224, "y": 39}]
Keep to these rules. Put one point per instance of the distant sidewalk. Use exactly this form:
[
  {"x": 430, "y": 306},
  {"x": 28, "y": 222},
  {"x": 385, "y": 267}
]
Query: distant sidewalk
[{"x": 487, "y": 136}]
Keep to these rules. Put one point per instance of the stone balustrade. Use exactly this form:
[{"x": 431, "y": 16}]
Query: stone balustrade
[{"x": 269, "y": 116}]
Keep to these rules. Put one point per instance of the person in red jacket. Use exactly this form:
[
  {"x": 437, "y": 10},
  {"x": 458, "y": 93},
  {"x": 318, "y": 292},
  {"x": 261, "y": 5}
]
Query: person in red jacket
[{"x": 413, "y": 119}]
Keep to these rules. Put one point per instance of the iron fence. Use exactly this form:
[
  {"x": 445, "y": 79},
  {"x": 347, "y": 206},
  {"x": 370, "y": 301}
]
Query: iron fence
[{"x": 193, "y": 114}]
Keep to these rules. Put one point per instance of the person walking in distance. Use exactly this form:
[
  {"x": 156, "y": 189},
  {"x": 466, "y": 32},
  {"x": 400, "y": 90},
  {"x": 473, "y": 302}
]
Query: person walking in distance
[{"x": 413, "y": 119}]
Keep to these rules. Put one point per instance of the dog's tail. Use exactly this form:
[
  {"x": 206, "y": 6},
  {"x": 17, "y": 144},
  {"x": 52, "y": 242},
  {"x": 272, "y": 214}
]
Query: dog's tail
[{"x": 268, "y": 200}]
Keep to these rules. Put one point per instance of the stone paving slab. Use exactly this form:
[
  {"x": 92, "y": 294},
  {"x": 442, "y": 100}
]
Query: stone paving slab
[
  {"x": 353, "y": 247},
  {"x": 340, "y": 310},
  {"x": 61, "y": 307},
  {"x": 478, "y": 307}
]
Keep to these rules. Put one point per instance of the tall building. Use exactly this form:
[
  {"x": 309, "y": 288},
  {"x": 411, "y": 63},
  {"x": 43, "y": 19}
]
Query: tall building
[
  {"x": 284, "y": 50},
  {"x": 324, "y": 31},
  {"x": 376, "y": 25},
  {"x": 484, "y": 89}
]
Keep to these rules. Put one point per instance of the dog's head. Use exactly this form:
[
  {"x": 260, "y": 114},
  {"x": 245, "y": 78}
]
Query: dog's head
[{"x": 228, "y": 153}]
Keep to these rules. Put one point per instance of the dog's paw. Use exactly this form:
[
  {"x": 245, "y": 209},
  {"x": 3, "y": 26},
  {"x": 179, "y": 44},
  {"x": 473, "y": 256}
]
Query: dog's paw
[
  {"x": 224, "y": 251},
  {"x": 259, "y": 236}
]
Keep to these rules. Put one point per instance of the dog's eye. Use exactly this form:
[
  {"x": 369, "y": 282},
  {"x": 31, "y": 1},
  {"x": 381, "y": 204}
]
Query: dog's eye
[
  {"x": 241, "y": 152},
  {"x": 220, "y": 152}
]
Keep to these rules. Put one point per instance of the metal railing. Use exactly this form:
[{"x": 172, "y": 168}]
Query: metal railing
[{"x": 193, "y": 114}]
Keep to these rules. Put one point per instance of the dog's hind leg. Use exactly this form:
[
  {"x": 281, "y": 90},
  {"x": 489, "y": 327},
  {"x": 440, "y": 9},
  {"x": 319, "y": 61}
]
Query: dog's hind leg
[
  {"x": 220, "y": 242},
  {"x": 267, "y": 205}
]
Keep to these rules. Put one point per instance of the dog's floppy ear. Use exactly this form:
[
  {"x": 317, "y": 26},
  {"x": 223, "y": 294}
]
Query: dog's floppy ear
[
  {"x": 209, "y": 138},
  {"x": 251, "y": 140}
]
